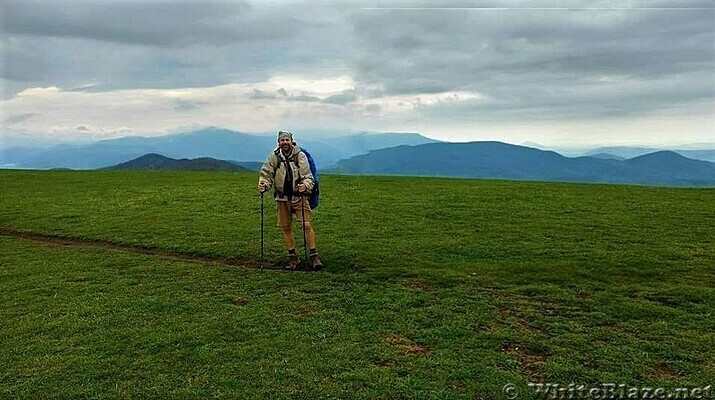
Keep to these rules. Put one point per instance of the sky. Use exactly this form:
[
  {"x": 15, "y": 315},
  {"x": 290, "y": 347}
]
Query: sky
[{"x": 554, "y": 72}]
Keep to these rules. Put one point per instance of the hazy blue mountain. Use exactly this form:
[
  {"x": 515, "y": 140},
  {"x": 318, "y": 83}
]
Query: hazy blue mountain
[
  {"x": 705, "y": 155},
  {"x": 10, "y": 157},
  {"x": 157, "y": 162},
  {"x": 212, "y": 142},
  {"x": 249, "y": 165},
  {"x": 671, "y": 165},
  {"x": 623, "y": 151},
  {"x": 363, "y": 143},
  {"x": 15, "y": 156},
  {"x": 631, "y": 152},
  {"x": 505, "y": 161},
  {"x": 606, "y": 156}
]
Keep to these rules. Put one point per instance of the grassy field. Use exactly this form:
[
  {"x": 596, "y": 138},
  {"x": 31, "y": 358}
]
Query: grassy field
[{"x": 433, "y": 288}]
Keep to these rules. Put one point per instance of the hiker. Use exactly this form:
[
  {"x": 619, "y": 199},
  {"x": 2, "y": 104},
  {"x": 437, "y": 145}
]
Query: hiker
[{"x": 287, "y": 170}]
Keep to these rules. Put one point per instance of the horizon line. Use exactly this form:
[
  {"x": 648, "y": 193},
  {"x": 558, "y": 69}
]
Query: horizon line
[{"x": 538, "y": 8}]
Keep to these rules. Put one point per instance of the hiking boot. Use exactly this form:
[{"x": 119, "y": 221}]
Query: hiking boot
[
  {"x": 293, "y": 262},
  {"x": 315, "y": 262}
]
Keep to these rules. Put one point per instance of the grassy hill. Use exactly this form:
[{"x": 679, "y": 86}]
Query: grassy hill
[
  {"x": 133, "y": 284},
  {"x": 157, "y": 162}
]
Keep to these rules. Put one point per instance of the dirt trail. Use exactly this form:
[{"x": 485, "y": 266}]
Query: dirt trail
[{"x": 61, "y": 241}]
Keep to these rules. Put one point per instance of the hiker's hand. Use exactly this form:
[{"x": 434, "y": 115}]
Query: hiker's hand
[
  {"x": 301, "y": 187},
  {"x": 262, "y": 187}
]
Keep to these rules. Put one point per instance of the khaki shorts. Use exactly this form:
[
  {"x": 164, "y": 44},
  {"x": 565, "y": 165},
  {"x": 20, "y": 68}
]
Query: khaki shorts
[{"x": 286, "y": 209}]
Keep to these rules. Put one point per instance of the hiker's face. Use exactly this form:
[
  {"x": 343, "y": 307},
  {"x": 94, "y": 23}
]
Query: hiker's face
[{"x": 285, "y": 143}]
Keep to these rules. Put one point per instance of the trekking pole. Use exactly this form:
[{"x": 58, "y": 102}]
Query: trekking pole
[
  {"x": 305, "y": 236},
  {"x": 261, "y": 231}
]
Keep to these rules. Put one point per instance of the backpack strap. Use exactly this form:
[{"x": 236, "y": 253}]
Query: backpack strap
[
  {"x": 297, "y": 166},
  {"x": 280, "y": 161},
  {"x": 277, "y": 152}
]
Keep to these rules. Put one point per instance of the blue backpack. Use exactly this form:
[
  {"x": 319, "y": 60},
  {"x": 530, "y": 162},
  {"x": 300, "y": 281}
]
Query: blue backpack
[
  {"x": 314, "y": 199},
  {"x": 315, "y": 193}
]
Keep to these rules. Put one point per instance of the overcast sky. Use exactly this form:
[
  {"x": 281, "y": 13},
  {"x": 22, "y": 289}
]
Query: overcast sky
[{"x": 556, "y": 72}]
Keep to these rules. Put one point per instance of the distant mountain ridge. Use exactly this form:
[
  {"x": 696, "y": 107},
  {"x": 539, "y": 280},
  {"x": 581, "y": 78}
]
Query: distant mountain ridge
[
  {"x": 605, "y": 156},
  {"x": 505, "y": 161},
  {"x": 217, "y": 143},
  {"x": 626, "y": 152},
  {"x": 157, "y": 162}
]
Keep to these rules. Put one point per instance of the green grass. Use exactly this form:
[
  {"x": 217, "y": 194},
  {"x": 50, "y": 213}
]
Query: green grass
[{"x": 434, "y": 288}]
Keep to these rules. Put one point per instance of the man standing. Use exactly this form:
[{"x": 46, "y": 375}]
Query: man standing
[{"x": 287, "y": 170}]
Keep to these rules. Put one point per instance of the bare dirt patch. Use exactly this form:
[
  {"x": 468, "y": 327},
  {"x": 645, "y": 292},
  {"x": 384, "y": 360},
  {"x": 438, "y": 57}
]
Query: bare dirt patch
[
  {"x": 238, "y": 302},
  {"x": 532, "y": 362},
  {"x": 664, "y": 373},
  {"x": 408, "y": 347},
  {"x": 62, "y": 241},
  {"x": 379, "y": 362}
]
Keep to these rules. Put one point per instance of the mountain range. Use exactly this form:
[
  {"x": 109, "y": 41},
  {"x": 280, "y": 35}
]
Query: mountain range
[
  {"x": 212, "y": 142},
  {"x": 505, "y": 161},
  {"x": 374, "y": 153},
  {"x": 698, "y": 151},
  {"x": 625, "y": 152}
]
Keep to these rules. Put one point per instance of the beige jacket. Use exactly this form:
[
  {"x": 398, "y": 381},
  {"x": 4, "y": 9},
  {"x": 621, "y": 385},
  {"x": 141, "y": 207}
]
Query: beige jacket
[{"x": 273, "y": 172}]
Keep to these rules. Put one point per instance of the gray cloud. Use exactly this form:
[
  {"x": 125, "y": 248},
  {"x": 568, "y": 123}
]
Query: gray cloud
[
  {"x": 162, "y": 23},
  {"x": 528, "y": 62},
  {"x": 260, "y": 95},
  {"x": 187, "y": 105},
  {"x": 373, "y": 108},
  {"x": 303, "y": 97},
  {"x": 14, "y": 119},
  {"x": 160, "y": 44},
  {"x": 346, "y": 97},
  {"x": 603, "y": 100},
  {"x": 539, "y": 59}
]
